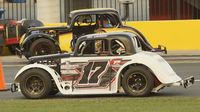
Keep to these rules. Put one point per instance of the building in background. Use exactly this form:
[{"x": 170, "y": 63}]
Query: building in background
[
  {"x": 58, "y": 10},
  {"x": 19, "y": 9}
]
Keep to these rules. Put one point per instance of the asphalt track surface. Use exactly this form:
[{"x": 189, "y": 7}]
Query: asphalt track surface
[{"x": 184, "y": 69}]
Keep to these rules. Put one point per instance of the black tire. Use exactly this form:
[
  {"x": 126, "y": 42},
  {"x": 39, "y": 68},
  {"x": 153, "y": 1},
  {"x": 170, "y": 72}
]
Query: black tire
[
  {"x": 54, "y": 89},
  {"x": 53, "y": 92},
  {"x": 42, "y": 46},
  {"x": 35, "y": 84},
  {"x": 138, "y": 81}
]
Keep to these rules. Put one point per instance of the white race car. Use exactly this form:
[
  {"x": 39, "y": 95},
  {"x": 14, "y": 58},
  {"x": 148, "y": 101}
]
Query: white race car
[{"x": 100, "y": 64}]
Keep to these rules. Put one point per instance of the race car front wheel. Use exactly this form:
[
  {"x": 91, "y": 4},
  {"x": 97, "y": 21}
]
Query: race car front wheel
[
  {"x": 138, "y": 81},
  {"x": 35, "y": 84}
]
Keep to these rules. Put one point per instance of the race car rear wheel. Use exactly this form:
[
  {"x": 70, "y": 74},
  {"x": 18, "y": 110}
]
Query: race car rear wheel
[
  {"x": 42, "y": 46},
  {"x": 35, "y": 83},
  {"x": 138, "y": 81}
]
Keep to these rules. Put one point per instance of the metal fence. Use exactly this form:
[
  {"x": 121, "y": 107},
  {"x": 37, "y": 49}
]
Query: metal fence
[
  {"x": 138, "y": 10},
  {"x": 141, "y": 9},
  {"x": 18, "y": 11},
  {"x": 174, "y": 9}
]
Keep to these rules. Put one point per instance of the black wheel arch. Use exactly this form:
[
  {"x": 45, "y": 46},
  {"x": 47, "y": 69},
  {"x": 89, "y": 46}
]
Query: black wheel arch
[
  {"x": 31, "y": 38},
  {"x": 17, "y": 80}
]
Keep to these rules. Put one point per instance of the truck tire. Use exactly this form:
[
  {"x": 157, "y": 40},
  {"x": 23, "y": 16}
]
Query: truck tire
[
  {"x": 138, "y": 81},
  {"x": 35, "y": 84},
  {"x": 42, "y": 46}
]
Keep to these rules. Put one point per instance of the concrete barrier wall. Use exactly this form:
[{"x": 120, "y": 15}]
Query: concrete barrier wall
[{"x": 175, "y": 35}]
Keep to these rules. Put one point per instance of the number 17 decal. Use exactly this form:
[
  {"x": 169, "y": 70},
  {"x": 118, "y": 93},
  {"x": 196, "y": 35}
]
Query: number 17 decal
[{"x": 93, "y": 72}]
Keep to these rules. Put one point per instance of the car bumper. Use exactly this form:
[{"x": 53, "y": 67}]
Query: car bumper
[
  {"x": 187, "y": 82},
  {"x": 14, "y": 87}
]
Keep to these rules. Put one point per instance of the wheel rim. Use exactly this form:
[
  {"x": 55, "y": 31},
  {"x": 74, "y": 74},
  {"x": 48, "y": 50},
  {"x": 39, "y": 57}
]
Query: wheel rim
[
  {"x": 34, "y": 85},
  {"x": 42, "y": 49},
  {"x": 137, "y": 82}
]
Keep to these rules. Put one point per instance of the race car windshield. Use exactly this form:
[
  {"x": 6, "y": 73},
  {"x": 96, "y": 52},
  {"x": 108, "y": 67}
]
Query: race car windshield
[{"x": 85, "y": 20}]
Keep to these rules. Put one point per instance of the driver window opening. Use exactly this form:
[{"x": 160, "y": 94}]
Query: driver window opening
[
  {"x": 93, "y": 48},
  {"x": 86, "y": 47}
]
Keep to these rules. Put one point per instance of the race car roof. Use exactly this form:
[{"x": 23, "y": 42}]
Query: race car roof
[
  {"x": 93, "y": 11},
  {"x": 104, "y": 35}
]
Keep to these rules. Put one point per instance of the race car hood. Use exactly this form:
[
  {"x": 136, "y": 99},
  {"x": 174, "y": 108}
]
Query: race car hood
[{"x": 161, "y": 69}]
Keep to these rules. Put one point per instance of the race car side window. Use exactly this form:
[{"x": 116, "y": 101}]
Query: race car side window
[
  {"x": 107, "y": 21},
  {"x": 86, "y": 47},
  {"x": 117, "y": 47},
  {"x": 93, "y": 48}
]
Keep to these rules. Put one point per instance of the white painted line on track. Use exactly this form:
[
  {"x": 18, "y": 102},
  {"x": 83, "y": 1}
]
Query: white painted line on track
[
  {"x": 174, "y": 62},
  {"x": 197, "y": 80},
  {"x": 20, "y": 65}
]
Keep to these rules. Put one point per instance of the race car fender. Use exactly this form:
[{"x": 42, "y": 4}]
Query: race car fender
[
  {"x": 56, "y": 77},
  {"x": 156, "y": 64},
  {"x": 38, "y": 35}
]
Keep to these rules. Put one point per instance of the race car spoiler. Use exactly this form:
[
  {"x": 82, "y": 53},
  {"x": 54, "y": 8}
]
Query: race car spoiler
[{"x": 160, "y": 48}]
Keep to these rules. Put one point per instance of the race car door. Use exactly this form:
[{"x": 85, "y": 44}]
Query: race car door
[{"x": 95, "y": 66}]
